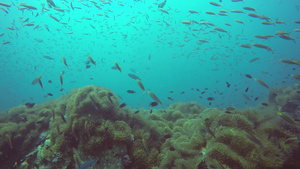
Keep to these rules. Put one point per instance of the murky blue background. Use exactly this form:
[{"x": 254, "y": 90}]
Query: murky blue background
[{"x": 124, "y": 34}]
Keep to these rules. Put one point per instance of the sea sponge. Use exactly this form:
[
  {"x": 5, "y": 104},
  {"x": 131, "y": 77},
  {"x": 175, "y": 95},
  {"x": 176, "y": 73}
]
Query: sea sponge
[
  {"x": 8, "y": 127},
  {"x": 45, "y": 112},
  {"x": 225, "y": 156},
  {"x": 235, "y": 140},
  {"x": 167, "y": 160},
  {"x": 180, "y": 122},
  {"x": 120, "y": 131},
  {"x": 177, "y": 129},
  {"x": 141, "y": 158},
  {"x": 232, "y": 121},
  {"x": 177, "y": 115},
  {"x": 280, "y": 96},
  {"x": 92, "y": 100}
]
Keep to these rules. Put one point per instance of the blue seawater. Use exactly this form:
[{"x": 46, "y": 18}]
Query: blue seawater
[{"x": 165, "y": 53}]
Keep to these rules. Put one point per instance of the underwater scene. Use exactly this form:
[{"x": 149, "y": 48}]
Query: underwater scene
[{"x": 150, "y": 84}]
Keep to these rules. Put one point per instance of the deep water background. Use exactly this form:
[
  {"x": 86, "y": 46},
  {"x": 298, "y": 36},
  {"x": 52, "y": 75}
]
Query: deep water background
[{"x": 178, "y": 62}]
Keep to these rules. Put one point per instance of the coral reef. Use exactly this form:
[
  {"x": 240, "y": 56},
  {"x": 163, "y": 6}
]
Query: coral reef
[{"x": 87, "y": 124}]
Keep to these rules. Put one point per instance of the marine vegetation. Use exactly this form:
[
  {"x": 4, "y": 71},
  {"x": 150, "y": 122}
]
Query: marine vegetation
[{"x": 87, "y": 128}]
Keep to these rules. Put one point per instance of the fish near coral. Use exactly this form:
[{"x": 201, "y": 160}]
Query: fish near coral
[
  {"x": 122, "y": 105},
  {"x": 218, "y": 165},
  {"x": 290, "y": 140},
  {"x": 29, "y": 105},
  {"x": 88, "y": 164},
  {"x": 108, "y": 95},
  {"x": 288, "y": 119},
  {"x": 262, "y": 83},
  {"x": 153, "y": 104},
  {"x": 61, "y": 79},
  {"x": 297, "y": 77},
  {"x": 207, "y": 130},
  {"x": 145, "y": 146},
  {"x": 8, "y": 136},
  {"x": 76, "y": 160},
  {"x": 153, "y": 96},
  {"x": 63, "y": 118},
  {"x": 253, "y": 139}
]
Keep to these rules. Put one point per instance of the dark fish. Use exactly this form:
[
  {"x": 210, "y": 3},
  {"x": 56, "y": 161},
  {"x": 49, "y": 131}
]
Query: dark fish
[
  {"x": 109, "y": 95},
  {"x": 197, "y": 90},
  {"x": 228, "y": 112},
  {"x": 39, "y": 122},
  {"x": 136, "y": 112},
  {"x": 206, "y": 89},
  {"x": 203, "y": 92},
  {"x": 49, "y": 94},
  {"x": 58, "y": 129},
  {"x": 170, "y": 91},
  {"x": 170, "y": 98},
  {"x": 162, "y": 4},
  {"x": 209, "y": 103},
  {"x": 122, "y": 105},
  {"x": 264, "y": 104},
  {"x": 210, "y": 98},
  {"x": 88, "y": 164},
  {"x": 49, "y": 81},
  {"x": 247, "y": 89},
  {"x": 132, "y": 70},
  {"x": 256, "y": 98},
  {"x": 63, "y": 118},
  {"x": 246, "y": 97},
  {"x": 87, "y": 66},
  {"x": 130, "y": 91},
  {"x": 249, "y": 76},
  {"x": 29, "y": 105},
  {"x": 133, "y": 76},
  {"x": 182, "y": 93},
  {"x": 51, "y": 3},
  {"x": 228, "y": 85},
  {"x": 151, "y": 111},
  {"x": 153, "y": 104},
  {"x": 114, "y": 68},
  {"x": 54, "y": 18},
  {"x": 49, "y": 58},
  {"x": 35, "y": 81},
  {"x": 254, "y": 59},
  {"x": 62, "y": 89},
  {"x": 71, "y": 5},
  {"x": 172, "y": 148}
]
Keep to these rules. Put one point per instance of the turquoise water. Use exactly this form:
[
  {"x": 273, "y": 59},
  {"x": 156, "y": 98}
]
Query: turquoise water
[{"x": 131, "y": 32}]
